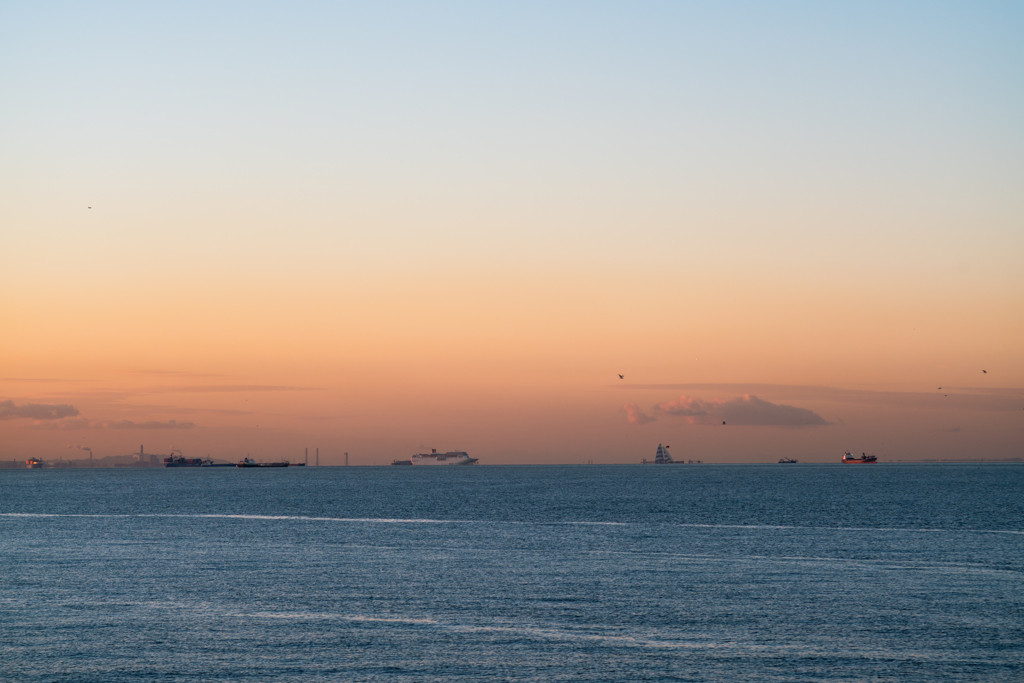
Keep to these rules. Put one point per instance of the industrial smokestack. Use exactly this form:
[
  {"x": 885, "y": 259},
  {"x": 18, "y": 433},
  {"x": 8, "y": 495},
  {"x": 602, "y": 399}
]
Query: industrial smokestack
[
  {"x": 318, "y": 457},
  {"x": 346, "y": 458},
  {"x": 307, "y": 456}
]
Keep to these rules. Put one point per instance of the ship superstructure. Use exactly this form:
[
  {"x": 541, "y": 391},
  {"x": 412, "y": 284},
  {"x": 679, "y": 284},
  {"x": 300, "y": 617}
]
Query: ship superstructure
[{"x": 662, "y": 457}]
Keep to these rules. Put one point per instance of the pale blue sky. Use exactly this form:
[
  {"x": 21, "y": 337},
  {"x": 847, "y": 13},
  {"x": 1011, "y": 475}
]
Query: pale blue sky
[{"x": 860, "y": 133}]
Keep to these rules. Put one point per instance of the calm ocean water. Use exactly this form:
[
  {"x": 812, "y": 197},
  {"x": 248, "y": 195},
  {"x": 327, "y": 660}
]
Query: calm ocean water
[{"x": 892, "y": 572}]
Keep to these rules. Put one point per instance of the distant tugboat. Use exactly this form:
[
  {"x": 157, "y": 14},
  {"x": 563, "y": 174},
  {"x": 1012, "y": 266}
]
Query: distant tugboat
[
  {"x": 864, "y": 459},
  {"x": 787, "y": 461}
]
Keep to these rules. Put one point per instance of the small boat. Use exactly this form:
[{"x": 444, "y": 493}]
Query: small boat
[
  {"x": 864, "y": 459},
  {"x": 402, "y": 462},
  {"x": 787, "y": 461},
  {"x": 249, "y": 462}
]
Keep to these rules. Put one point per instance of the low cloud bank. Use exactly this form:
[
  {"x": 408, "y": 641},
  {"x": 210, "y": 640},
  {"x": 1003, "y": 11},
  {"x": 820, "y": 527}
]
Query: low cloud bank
[
  {"x": 684, "y": 407},
  {"x": 636, "y": 416},
  {"x": 744, "y": 410},
  {"x": 85, "y": 423},
  {"x": 36, "y": 411},
  {"x": 228, "y": 388}
]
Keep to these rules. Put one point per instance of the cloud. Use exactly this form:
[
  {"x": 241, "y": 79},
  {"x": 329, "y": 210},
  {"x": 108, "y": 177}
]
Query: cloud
[
  {"x": 36, "y": 411},
  {"x": 750, "y": 410},
  {"x": 152, "y": 424},
  {"x": 744, "y": 410},
  {"x": 150, "y": 408},
  {"x": 176, "y": 373},
  {"x": 228, "y": 388},
  {"x": 687, "y": 407},
  {"x": 43, "y": 379},
  {"x": 950, "y": 398},
  {"x": 85, "y": 423},
  {"x": 636, "y": 416}
]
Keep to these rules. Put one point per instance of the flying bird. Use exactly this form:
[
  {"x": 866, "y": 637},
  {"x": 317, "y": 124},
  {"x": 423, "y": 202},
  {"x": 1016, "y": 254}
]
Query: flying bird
[
  {"x": 723, "y": 421},
  {"x": 985, "y": 371},
  {"x": 622, "y": 376}
]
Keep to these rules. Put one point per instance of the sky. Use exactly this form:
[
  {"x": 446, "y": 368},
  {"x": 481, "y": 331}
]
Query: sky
[{"x": 255, "y": 228}]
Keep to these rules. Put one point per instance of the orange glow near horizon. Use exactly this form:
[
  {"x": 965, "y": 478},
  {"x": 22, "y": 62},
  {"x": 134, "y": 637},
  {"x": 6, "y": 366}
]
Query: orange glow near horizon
[{"x": 520, "y": 367}]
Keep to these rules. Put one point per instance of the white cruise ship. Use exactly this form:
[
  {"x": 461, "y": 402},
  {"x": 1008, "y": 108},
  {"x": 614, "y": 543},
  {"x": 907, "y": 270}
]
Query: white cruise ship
[{"x": 449, "y": 458}]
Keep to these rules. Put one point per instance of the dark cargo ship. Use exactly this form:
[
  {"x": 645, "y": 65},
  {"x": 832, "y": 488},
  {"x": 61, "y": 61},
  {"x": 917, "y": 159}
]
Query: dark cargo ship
[
  {"x": 864, "y": 459},
  {"x": 248, "y": 462},
  {"x": 181, "y": 461}
]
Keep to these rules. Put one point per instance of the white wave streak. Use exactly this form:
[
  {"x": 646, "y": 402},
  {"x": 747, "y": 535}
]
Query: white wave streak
[
  {"x": 554, "y": 633},
  {"x": 296, "y": 518},
  {"x": 303, "y": 518},
  {"x": 400, "y": 520},
  {"x": 713, "y": 648},
  {"x": 312, "y": 616}
]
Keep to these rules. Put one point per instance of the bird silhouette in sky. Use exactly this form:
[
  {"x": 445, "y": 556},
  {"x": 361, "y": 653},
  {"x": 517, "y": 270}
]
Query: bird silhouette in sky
[
  {"x": 985, "y": 371},
  {"x": 622, "y": 376}
]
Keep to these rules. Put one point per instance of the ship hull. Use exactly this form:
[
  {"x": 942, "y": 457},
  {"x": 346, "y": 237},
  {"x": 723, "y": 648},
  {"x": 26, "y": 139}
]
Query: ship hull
[{"x": 431, "y": 462}]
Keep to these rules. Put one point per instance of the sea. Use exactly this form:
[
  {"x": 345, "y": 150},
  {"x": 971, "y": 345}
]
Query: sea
[{"x": 806, "y": 572}]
